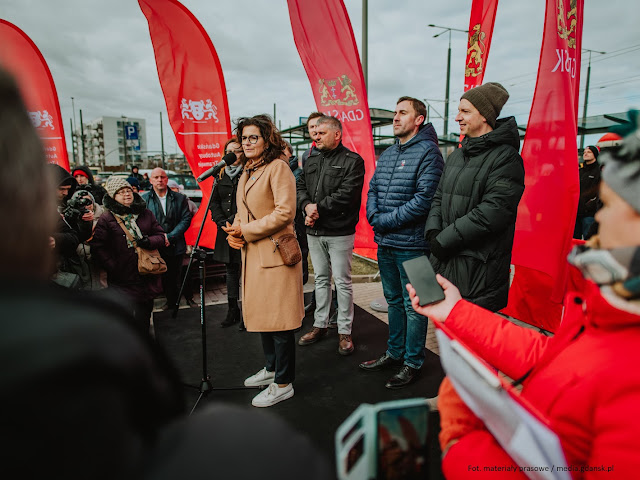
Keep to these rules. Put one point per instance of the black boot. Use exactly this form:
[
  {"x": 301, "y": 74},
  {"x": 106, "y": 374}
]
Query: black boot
[{"x": 233, "y": 314}]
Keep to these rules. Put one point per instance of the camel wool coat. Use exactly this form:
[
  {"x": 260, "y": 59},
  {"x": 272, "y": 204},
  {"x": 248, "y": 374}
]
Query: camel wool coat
[{"x": 272, "y": 296}]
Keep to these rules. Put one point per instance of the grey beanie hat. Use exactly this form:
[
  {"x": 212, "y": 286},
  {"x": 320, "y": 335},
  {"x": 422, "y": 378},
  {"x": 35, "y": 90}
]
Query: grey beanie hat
[
  {"x": 489, "y": 99},
  {"x": 114, "y": 184},
  {"x": 622, "y": 165}
]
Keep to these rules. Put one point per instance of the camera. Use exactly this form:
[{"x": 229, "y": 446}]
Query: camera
[{"x": 77, "y": 207}]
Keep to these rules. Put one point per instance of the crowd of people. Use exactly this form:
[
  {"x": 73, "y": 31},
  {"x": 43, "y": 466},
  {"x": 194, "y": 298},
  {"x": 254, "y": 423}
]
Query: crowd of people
[{"x": 460, "y": 213}]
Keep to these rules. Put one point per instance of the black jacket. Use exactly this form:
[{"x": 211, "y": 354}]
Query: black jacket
[
  {"x": 223, "y": 210},
  {"x": 97, "y": 191},
  {"x": 589, "y": 189},
  {"x": 473, "y": 215},
  {"x": 174, "y": 223},
  {"x": 334, "y": 181}
]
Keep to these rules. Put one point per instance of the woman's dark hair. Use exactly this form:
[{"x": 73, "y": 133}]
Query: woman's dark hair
[
  {"x": 274, "y": 144},
  {"x": 226, "y": 144}
]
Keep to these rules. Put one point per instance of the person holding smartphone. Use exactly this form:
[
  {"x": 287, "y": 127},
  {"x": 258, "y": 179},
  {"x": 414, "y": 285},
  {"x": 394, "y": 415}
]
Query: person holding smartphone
[{"x": 585, "y": 378}]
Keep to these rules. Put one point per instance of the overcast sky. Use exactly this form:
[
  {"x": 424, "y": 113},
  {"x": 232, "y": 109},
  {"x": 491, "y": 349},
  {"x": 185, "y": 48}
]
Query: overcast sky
[{"x": 100, "y": 53}]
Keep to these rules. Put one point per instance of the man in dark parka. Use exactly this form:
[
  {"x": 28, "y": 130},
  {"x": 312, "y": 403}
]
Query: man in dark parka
[{"x": 471, "y": 224}]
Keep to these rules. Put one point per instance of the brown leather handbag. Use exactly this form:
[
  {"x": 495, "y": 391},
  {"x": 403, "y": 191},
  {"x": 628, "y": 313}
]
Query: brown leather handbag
[
  {"x": 287, "y": 244},
  {"x": 150, "y": 262}
]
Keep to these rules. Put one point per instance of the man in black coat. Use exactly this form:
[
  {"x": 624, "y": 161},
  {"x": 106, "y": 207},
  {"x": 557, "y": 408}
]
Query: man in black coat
[
  {"x": 471, "y": 224},
  {"x": 329, "y": 192},
  {"x": 589, "y": 192},
  {"x": 172, "y": 212}
]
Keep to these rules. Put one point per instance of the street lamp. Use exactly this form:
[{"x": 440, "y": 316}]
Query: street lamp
[
  {"x": 586, "y": 95},
  {"x": 446, "y": 95}
]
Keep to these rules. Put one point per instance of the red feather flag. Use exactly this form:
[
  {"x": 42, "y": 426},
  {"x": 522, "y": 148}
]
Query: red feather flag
[
  {"x": 324, "y": 38},
  {"x": 20, "y": 57},
  {"x": 547, "y": 211},
  {"x": 193, "y": 85}
]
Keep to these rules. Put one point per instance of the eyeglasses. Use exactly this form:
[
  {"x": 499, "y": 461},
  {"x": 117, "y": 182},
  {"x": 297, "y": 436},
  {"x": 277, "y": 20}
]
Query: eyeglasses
[{"x": 253, "y": 139}]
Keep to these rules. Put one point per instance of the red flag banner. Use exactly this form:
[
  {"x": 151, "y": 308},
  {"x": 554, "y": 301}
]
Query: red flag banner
[
  {"x": 547, "y": 211},
  {"x": 193, "y": 85},
  {"x": 483, "y": 17},
  {"x": 324, "y": 38},
  {"x": 20, "y": 57}
]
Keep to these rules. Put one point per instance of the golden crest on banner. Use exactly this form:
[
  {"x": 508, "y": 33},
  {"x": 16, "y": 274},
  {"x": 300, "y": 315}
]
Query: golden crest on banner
[
  {"x": 333, "y": 94},
  {"x": 475, "y": 50},
  {"x": 567, "y": 21}
]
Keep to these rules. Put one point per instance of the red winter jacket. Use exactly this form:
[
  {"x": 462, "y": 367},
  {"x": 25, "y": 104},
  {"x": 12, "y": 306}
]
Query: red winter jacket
[{"x": 585, "y": 379}]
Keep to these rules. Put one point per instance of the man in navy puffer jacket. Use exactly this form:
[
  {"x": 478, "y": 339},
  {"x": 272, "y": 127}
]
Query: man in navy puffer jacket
[{"x": 398, "y": 203}]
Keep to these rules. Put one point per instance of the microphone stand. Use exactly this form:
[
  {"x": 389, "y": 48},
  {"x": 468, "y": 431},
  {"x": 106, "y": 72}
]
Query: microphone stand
[{"x": 199, "y": 255}]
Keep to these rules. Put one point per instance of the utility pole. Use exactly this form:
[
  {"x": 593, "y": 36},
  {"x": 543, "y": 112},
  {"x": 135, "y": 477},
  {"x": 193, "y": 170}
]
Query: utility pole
[
  {"x": 586, "y": 96},
  {"x": 84, "y": 155},
  {"x": 274, "y": 114},
  {"x": 73, "y": 144},
  {"x": 162, "y": 142},
  {"x": 365, "y": 42},
  {"x": 124, "y": 136},
  {"x": 446, "y": 95},
  {"x": 73, "y": 106}
]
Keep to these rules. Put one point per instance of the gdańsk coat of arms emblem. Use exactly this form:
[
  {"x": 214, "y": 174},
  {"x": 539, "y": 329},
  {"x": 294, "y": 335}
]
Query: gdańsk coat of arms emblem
[
  {"x": 337, "y": 91},
  {"x": 41, "y": 119},
  {"x": 198, "y": 110}
]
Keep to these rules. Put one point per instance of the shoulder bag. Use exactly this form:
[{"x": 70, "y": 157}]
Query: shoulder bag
[
  {"x": 287, "y": 244},
  {"x": 149, "y": 261}
]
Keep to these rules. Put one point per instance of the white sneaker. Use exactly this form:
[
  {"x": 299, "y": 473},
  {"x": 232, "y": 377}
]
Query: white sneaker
[
  {"x": 272, "y": 395},
  {"x": 261, "y": 378}
]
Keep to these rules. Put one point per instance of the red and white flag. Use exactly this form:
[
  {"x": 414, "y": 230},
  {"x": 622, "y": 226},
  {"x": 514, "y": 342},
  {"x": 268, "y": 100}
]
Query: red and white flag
[
  {"x": 324, "y": 38},
  {"x": 481, "y": 21},
  {"x": 547, "y": 211},
  {"x": 193, "y": 85},
  {"x": 20, "y": 57}
]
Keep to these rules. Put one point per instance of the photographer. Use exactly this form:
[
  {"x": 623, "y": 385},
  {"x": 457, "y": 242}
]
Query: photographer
[
  {"x": 86, "y": 212},
  {"x": 74, "y": 225}
]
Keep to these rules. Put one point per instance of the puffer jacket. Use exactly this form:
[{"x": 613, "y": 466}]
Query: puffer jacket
[
  {"x": 402, "y": 188},
  {"x": 473, "y": 214},
  {"x": 584, "y": 379},
  {"x": 589, "y": 186},
  {"x": 334, "y": 181}
]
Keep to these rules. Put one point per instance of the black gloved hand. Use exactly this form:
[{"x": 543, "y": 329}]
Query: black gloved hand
[
  {"x": 144, "y": 242},
  {"x": 438, "y": 251}
]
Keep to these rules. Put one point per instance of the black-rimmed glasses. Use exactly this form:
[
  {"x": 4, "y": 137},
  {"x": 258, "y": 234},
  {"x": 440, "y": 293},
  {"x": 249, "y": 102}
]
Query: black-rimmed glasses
[{"x": 253, "y": 139}]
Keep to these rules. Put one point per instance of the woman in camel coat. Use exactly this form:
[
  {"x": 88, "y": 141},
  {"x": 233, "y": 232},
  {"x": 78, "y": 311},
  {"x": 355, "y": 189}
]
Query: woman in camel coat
[{"x": 272, "y": 297}]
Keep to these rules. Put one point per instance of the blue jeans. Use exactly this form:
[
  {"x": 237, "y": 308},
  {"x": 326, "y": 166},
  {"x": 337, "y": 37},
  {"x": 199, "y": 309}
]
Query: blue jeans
[{"x": 407, "y": 329}]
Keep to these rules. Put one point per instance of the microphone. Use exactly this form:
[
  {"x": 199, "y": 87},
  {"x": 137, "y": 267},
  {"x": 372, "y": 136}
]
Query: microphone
[{"x": 228, "y": 159}]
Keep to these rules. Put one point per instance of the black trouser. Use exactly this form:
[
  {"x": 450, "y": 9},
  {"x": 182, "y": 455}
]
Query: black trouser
[
  {"x": 280, "y": 354},
  {"x": 233, "y": 280},
  {"x": 170, "y": 278},
  {"x": 142, "y": 313}
]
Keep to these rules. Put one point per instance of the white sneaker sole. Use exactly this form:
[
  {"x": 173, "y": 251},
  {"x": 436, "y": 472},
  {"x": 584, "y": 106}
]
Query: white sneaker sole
[
  {"x": 259, "y": 383},
  {"x": 286, "y": 396}
]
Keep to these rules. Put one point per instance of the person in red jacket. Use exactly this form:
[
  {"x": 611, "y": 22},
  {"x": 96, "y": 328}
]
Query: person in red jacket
[{"x": 585, "y": 379}]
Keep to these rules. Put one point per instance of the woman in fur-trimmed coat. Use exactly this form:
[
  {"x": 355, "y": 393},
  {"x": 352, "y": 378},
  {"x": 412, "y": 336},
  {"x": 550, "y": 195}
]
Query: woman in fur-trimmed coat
[{"x": 117, "y": 255}]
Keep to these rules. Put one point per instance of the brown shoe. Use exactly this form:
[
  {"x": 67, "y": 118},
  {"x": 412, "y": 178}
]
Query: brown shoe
[
  {"x": 313, "y": 336},
  {"x": 345, "y": 347}
]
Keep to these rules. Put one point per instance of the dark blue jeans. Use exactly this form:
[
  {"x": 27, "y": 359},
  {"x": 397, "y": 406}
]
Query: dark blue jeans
[{"x": 407, "y": 329}]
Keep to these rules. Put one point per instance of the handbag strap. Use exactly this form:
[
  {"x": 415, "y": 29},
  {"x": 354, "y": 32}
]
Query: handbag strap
[
  {"x": 275, "y": 242},
  {"x": 126, "y": 232}
]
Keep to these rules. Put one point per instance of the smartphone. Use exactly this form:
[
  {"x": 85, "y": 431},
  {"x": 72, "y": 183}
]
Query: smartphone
[
  {"x": 423, "y": 279},
  {"x": 402, "y": 443},
  {"x": 384, "y": 441}
]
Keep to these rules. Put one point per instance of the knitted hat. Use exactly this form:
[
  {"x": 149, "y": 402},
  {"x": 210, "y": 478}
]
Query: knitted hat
[
  {"x": 133, "y": 181},
  {"x": 173, "y": 184},
  {"x": 114, "y": 184},
  {"x": 488, "y": 99},
  {"x": 79, "y": 171},
  {"x": 595, "y": 150},
  {"x": 622, "y": 166}
]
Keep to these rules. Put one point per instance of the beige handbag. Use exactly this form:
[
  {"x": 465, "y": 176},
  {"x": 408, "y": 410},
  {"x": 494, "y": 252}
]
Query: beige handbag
[{"x": 150, "y": 262}]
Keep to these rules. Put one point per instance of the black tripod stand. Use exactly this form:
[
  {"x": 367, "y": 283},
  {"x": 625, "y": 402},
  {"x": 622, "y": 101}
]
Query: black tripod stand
[{"x": 199, "y": 255}]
